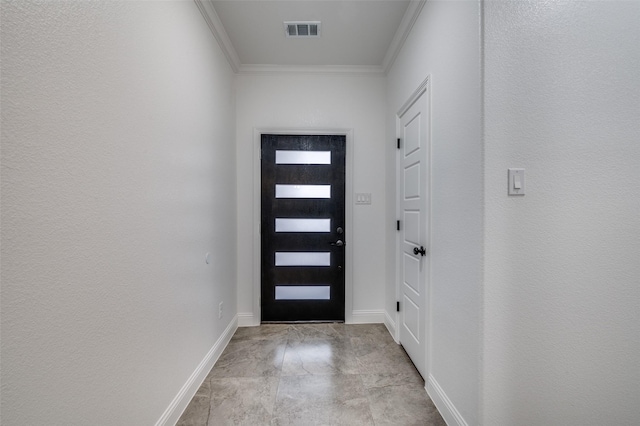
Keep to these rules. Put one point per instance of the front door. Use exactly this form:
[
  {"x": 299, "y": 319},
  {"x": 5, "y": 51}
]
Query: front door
[
  {"x": 414, "y": 232},
  {"x": 302, "y": 227}
]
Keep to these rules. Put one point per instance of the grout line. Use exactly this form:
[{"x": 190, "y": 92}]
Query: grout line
[{"x": 289, "y": 334}]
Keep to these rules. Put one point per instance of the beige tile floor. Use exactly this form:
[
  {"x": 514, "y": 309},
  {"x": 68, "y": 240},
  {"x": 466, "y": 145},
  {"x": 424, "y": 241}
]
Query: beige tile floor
[{"x": 312, "y": 374}]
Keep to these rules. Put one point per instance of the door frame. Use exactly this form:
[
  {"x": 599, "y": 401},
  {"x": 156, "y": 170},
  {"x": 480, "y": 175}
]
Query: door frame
[
  {"x": 423, "y": 89},
  {"x": 257, "y": 209}
]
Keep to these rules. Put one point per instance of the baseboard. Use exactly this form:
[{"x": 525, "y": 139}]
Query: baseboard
[
  {"x": 444, "y": 405},
  {"x": 179, "y": 404},
  {"x": 367, "y": 317},
  {"x": 245, "y": 319},
  {"x": 391, "y": 326}
]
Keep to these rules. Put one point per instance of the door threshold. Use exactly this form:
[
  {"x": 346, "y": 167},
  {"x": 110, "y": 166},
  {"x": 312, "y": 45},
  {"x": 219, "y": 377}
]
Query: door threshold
[{"x": 304, "y": 322}]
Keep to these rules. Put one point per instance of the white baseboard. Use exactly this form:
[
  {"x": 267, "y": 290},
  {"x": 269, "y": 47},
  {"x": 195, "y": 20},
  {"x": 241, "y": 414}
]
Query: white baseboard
[
  {"x": 391, "y": 326},
  {"x": 367, "y": 317},
  {"x": 444, "y": 405},
  {"x": 245, "y": 319},
  {"x": 181, "y": 401}
]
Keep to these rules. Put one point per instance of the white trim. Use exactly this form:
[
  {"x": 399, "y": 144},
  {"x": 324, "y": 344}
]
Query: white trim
[
  {"x": 408, "y": 20},
  {"x": 447, "y": 410},
  {"x": 175, "y": 409},
  {"x": 348, "y": 133},
  {"x": 367, "y": 317},
  {"x": 413, "y": 98},
  {"x": 311, "y": 69},
  {"x": 390, "y": 323},
  {"x": 217, "y": 29},
  {"x": 246, "y": 319},
  {"x": 398, "y": 234}
]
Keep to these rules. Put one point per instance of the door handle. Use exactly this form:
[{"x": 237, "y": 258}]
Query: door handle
[
  {"x": 338, "y": 243},
  {"x": 420, "y": 251}
]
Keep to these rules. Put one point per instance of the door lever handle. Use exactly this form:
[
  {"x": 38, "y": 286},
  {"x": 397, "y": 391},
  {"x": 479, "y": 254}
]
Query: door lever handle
[
  {"x": 338, "y": 243},
  {"x": 422, "y": 251}
]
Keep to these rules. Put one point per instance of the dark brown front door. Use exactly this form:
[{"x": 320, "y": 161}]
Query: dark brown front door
[{"x": 303, "y": 229}]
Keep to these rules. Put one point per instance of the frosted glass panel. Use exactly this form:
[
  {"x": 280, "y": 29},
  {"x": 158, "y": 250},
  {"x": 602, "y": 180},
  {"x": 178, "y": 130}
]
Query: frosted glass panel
[
  {"x": 303, "y": 191},
  {"x": 303, "y": 292},
  {"x": 313, "y": 258},
  {"x": 303, "y": 225},
  {"x": 303, "y": 157}
]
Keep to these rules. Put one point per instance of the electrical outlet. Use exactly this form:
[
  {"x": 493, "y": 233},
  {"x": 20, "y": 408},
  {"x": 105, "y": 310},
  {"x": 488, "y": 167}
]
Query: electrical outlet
[{"x": 220, "y": 308}]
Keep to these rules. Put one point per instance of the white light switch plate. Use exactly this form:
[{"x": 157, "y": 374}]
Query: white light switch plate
[
  {"x": 516, "y": 181},
  {"x": 363, "y": 198}
]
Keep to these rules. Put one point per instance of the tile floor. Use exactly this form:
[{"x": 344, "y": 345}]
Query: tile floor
[{"x": 312, "y": 374}]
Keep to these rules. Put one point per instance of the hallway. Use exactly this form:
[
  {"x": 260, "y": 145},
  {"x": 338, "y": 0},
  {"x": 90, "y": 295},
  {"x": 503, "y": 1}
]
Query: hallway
[
  {"x": 130, "y": 202},
  {"x": 312, "y": 374}
]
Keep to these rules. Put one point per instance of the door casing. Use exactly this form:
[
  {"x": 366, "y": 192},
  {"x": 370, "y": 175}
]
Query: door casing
[{"x": 257, "y": 252}]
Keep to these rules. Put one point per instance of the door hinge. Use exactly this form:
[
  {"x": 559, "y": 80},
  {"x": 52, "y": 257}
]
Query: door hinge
[
  {"x": 397, "y": 306},
  {"x": 398, "y": 143},
  {"x": 397, "y": 225}
]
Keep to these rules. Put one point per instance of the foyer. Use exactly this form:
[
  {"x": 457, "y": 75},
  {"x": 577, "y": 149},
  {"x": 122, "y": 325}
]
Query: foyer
[{"x": 129, "y": 156}]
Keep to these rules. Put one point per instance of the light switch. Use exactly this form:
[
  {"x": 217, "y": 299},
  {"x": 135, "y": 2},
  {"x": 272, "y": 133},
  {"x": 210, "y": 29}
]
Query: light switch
[
  {"x": 516, "y": 181},
  {"x": 363, "y": 198}
]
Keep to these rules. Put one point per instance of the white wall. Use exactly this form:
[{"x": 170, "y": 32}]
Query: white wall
[
  {"x": 562, "y": 325},
  {"x": 311, "y": 101},
  {"x": 118, "y": 175},
  {"x": 445, "y": 45}
]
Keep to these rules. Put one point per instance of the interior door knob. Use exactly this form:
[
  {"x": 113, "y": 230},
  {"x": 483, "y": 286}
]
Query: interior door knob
[
  {"x": 422, "y": 251},
  {"x": 338, "y": 243}
]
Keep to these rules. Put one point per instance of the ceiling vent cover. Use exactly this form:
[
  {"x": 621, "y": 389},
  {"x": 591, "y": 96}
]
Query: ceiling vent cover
[{"x": 302, "y": 29}]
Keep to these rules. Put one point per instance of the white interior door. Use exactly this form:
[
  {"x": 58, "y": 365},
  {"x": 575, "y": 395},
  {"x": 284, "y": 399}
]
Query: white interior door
[{"x": 413, "y": 256}]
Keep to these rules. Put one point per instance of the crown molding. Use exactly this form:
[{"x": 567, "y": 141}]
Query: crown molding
[
  {"x": 217, "y": 29},
  {"x": 408, "y": 20},
  {"x": 215, "y": 25},
  {"x": 311, "y": 69}
]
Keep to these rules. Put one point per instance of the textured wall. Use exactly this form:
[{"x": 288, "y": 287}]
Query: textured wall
[
  {"x": 445, "y": 45},
  {"x": 319, "y": 101},
  {"x": 562, "y": 317},
  {"x": 117, "y": 177}
]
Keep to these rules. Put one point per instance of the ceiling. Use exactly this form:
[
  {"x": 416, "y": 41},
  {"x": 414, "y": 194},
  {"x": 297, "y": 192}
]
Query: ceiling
[{"x": 356, "y": 35}]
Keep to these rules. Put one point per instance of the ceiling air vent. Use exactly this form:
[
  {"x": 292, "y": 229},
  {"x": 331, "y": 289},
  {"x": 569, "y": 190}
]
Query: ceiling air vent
[{"x": 302, "y": 29}]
